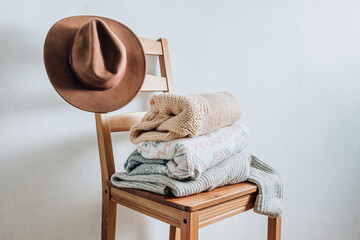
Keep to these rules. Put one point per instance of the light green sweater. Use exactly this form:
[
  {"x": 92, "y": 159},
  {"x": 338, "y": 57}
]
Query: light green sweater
[{"x": 151, "y": 175}]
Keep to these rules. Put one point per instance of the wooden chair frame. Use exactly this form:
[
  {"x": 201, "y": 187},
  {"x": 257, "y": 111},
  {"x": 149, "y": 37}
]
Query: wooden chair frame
[{"x": 185, "y": 215}]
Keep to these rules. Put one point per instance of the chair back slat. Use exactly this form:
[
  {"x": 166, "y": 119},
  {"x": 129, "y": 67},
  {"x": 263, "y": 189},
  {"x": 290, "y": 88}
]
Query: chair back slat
[
  {"x": 154, "y": 84},
  {"x": 151, "y": 47},
  {"x": 123, "y": 122}
]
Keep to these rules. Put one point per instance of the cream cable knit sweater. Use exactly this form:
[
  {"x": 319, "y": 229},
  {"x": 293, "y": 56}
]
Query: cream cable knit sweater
[{"x": 173, "y": 116}]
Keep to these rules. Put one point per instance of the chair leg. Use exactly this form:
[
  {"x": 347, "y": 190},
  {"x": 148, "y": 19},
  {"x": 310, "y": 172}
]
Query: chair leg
[
  {"x": 189, "y": 226},
  {"x": 108, "y": 223},
  {"x": 274, "y": 228},
  {"x": 174, "y": 233}
]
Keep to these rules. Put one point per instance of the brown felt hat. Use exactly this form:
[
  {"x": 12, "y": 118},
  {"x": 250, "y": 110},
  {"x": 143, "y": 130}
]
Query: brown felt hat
[{"x": 94, "y": 63}]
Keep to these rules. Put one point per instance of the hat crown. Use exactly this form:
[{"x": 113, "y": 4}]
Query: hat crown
[{"x": 98, "y": 57}]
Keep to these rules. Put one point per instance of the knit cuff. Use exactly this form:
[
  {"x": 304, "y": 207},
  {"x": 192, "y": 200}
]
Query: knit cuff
[{"x": 269, "y": 205}]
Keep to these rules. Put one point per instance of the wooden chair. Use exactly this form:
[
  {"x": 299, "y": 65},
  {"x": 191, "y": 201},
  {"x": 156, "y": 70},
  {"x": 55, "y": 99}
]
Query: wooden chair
[{"x": 185, "y": 215}]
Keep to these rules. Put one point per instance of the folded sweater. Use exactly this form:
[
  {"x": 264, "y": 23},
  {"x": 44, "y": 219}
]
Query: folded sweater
[
  {"x": 190, "y": 157},
  {"x": 237, "y": 168},
  {"x": 173, "y": 116}
]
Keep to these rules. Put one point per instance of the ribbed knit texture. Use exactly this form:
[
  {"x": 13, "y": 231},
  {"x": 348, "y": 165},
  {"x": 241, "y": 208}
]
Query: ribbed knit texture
[
  {"x": 190, "y": 157},
  {"x": 237, "y": 168},
  {"x": 230, "y": 171},
  {"x": 270, "y": 182},
  {"x": 173, "y": 116}
]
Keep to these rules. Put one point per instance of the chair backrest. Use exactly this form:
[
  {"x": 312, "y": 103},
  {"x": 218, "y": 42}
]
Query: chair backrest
[{"x": 106, "y": 124}]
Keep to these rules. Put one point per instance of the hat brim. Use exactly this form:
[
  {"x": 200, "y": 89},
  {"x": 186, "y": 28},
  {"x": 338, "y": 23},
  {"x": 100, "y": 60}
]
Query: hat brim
[{"x": 56, "y": 58}]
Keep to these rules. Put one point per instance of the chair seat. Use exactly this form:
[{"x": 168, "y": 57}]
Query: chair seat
[{"x": 194, "y": 202}]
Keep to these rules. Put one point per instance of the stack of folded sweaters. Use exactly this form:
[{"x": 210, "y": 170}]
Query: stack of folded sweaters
[{"x": 190, "y": 144}]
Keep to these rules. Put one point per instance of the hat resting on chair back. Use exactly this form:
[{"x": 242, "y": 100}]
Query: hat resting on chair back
[{"x": 94, "y": 63}]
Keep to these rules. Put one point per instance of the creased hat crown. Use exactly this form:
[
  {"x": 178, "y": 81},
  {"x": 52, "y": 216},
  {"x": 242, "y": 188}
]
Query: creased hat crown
[{"x": 98, "y": 57}]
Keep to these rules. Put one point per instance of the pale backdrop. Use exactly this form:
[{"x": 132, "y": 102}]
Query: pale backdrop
[{"x": 293, "y": 64}]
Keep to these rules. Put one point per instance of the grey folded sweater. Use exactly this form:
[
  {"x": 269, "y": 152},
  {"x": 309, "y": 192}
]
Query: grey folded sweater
[{"x": 151, "y": 175}]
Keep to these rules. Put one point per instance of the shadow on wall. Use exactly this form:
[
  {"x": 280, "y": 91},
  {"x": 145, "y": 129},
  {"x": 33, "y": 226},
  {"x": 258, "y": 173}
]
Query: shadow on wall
[
  {"x": 23, "y": 81},
  {"x": 43, "y": 189},
  {"x": 19, "y": 46},
  {"x": 58, "y": 188}
]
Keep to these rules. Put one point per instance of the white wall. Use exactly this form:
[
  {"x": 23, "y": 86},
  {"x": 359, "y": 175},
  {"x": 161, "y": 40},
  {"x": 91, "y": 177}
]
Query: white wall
[{"x": 294, "y": 65}]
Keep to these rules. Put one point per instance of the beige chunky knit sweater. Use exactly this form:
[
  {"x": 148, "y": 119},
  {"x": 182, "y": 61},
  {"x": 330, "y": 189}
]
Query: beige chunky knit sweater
[{"x": 173, "y": 116}]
